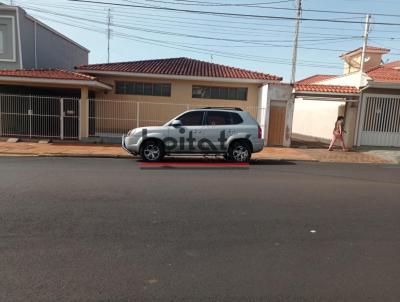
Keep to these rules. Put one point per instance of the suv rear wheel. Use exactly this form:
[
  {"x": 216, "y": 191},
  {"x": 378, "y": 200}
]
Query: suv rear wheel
[
  {"x": 239, "y": 151},
  {"x": 152, "y": 150}
]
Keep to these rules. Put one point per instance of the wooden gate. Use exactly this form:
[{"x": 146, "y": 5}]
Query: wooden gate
[{"x": 276, "y": 128}]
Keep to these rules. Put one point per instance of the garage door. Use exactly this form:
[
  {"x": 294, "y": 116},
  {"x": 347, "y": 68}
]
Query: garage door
[{"x": 381, "y": 126}]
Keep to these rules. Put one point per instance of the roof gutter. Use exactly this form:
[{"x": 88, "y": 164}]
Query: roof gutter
[
  {"x": 330, "y": 99},
  {"x": 373, "y": 84},
  {"x": 305, "y": 92},
  {"x": 176, "y": 77},
  {"x": 28, "y": 80}
]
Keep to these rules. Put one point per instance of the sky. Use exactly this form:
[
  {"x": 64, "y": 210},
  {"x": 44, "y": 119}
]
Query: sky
[{"x": 259, "y": 44}]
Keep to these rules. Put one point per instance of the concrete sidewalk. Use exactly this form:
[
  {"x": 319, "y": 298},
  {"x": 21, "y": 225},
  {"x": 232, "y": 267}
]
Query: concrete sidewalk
[{"x": 269, "y": 153}]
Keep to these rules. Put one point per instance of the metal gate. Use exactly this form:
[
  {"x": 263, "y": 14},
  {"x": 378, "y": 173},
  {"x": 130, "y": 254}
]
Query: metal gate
[
  {"x": 381, "y": 124},
  {"x": 39, "y": 116}
]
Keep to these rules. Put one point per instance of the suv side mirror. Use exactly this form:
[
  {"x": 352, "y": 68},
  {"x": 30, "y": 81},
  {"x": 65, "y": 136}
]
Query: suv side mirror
[{"x": 176, "y": 123}]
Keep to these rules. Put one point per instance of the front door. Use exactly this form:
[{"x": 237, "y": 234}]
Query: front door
[{"x": 276, "y": 128}]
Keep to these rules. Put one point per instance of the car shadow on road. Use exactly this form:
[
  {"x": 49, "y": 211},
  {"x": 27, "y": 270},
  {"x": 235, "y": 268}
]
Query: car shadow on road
[
  {"x": 271, "y": 162},
  {"x": 221, "y": 161}
]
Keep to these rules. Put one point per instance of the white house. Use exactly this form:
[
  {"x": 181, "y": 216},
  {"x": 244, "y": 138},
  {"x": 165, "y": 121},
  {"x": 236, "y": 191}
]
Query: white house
[{"x": 369, "y": 100}]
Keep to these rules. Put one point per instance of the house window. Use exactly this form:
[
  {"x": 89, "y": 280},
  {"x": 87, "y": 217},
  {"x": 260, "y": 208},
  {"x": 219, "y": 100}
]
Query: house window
[
  {"x": 221, "y": 93},
  {"x": 139, "y": 88}
]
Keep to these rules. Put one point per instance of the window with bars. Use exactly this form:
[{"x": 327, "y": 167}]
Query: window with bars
[
  {"x": 221, "y": 93},
  {"x": 140, "y": 88}
]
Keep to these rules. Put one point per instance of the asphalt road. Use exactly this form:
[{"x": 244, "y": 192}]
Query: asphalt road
[{"x": 105, "y": 230}]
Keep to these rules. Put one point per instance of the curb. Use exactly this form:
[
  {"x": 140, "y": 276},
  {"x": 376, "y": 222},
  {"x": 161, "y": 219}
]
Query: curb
[
  {"x": 87, "y": 155},
  {"x": 255, "y": 160},
  {"x": 65, "y": 155}
]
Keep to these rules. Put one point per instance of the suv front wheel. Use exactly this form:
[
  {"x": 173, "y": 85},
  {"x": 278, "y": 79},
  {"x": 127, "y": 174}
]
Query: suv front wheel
[
  {"x": 239, "y": 151},
  {"x": 152, "y": 150}
]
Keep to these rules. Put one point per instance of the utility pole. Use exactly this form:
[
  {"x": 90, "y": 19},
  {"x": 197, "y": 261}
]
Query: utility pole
[
  {"x": 361, "y": 98},
  {"x": 296, "y": 42},
  {"x": 108, "y": 34},
  {"x": 365, "y": 44}
]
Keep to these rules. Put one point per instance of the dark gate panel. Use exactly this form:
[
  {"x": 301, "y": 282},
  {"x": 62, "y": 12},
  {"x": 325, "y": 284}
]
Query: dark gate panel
[{"x": 39, "y": 117}]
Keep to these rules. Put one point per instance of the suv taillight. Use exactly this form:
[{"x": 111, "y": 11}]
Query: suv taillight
[{"x": 259, "y": 132}]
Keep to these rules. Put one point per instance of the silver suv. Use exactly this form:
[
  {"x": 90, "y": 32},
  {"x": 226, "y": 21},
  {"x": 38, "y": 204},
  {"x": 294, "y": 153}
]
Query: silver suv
[{"x": 213, "y": 130}]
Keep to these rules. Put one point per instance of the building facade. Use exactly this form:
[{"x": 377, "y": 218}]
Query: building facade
[
  {"x": 164, "y": 88},
  {"x": 369, "y": 99},
  {"x": 27, "y": 43},
  {"x": 112, "y": 98}
]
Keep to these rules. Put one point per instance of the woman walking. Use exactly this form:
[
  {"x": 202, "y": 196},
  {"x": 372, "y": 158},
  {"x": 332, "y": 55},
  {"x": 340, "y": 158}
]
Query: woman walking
[{"x": 338, "y": 133}]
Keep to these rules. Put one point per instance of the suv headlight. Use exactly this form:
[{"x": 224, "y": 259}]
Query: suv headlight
[{"x": 131, "y": 132}]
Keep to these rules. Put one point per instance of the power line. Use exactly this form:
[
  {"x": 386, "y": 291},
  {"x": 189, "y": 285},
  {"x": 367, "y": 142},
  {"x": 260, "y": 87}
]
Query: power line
[
  {"x": 202, "y": 3},
  {"x": 168, "y": 44},
  {"x": 196, "y": 36},
  {"x": 270, "y": 45},
  {"x": 238, "y": 31},
  {"x": 231, "y": 14},
  {"x": 283, "y": 8},
  {"x": 219, "y": 23}
]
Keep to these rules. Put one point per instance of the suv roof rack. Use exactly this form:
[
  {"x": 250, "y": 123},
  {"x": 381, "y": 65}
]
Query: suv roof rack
[{"x": 226, "y": 108}]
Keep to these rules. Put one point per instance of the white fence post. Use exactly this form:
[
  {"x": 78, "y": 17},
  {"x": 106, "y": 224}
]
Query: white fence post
[
  {"x": 62, "y": 118},
  {"x": 30, "y": 112},
  {"x": 137, "y": 114},
  {"x": 80, "y": 120}
]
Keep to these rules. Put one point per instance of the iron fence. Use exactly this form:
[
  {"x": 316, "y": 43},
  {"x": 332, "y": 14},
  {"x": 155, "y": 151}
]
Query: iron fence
[
  {"x": 34, "y": 116},
  {"x": 116, "y": 117}
]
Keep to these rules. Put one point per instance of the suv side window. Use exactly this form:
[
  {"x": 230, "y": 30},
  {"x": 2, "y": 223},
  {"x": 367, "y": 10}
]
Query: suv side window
[
  {"x": 236, "y": 118},
  {"x": 222, "y": 118},
  {"x": 193, "y": 118}
]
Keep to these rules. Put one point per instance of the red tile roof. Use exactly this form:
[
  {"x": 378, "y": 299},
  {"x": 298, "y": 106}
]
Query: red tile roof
[
  {"x": 58, "y": 74},
  {"x": 316, "y": 78},
  {"x": 180, "y": 67},
  {"x": 384, "y": 74},
  {"x": 369, "y": 49},
  {"x": 393, "y": 64},
  {"x": 326, "y": 88}
]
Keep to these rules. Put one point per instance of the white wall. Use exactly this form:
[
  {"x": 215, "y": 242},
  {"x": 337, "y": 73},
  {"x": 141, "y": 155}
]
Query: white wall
[
  {"x": 282, "y": 92},
  {"x": 315, "y": 120},
  {"x": 267, "y": 94},
  {"x": 351, "y": 79}
]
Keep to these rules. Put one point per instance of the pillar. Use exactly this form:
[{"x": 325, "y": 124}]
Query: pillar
[
  {"x": 287, "y": 139},
  {"x": 263, "y": 111},
  {"x": 84, "y": 114}
]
